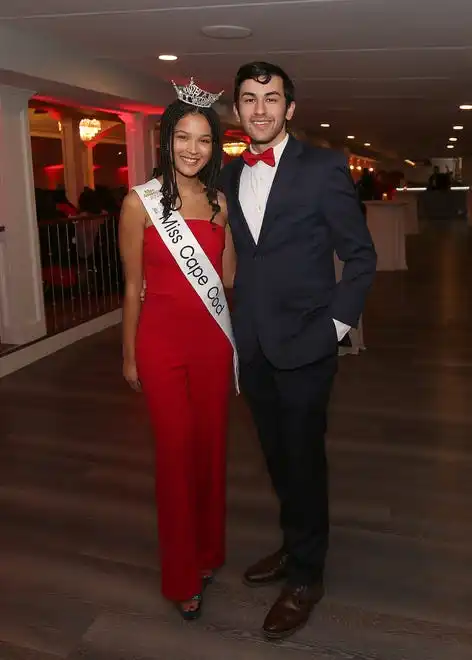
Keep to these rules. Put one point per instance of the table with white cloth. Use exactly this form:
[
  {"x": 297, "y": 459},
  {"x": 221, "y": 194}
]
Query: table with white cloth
[
  {"x": 356, "y": 335},
  {"x": 387, "y": 224},
  {"x": 410, "y": 199}
]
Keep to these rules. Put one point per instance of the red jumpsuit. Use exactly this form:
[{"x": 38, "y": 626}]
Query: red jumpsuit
[{"x": 184, "y": 363}]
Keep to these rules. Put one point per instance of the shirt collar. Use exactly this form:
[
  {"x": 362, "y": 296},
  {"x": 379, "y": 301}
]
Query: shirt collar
[{"x": 278, "y": 149}]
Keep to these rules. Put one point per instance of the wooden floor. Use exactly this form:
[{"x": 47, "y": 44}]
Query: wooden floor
[{"x": 78, "y": 571}]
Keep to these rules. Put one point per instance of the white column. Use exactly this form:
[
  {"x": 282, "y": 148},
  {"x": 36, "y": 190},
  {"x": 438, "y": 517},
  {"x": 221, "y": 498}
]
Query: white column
[
  {"x": 22, "y": 317},
  {"x": 140, "y": 147},
  {"x": 87, "y": 165},
  {"x": 73, "y": 159}
]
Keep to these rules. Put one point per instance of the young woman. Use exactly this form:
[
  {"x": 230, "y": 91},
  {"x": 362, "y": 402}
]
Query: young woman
[{"x": 173, "y": 346}]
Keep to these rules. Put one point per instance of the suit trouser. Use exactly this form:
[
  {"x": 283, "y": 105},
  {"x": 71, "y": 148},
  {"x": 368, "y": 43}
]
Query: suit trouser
[{"x": 290, "y": 412}]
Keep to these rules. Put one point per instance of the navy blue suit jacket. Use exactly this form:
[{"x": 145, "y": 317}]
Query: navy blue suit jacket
[{"x": 285, "y": 291}]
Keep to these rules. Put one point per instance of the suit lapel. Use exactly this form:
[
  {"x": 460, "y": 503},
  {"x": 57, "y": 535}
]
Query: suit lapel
[
  {"x": 283, "y": 181},
  {"x": 234, "y": 191}
]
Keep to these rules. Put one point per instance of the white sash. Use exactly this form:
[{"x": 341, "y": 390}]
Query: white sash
[{"x": 192, "y": 261}]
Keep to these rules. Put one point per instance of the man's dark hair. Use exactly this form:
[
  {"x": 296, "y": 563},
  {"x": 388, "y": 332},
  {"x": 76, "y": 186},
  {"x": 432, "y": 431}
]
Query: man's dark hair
[{"x": 263, "y": 73}]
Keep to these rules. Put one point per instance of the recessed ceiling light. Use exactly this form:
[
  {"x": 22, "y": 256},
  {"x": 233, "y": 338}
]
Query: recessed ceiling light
[
  {"x": 452, "y": 139},
  {"x": 168, "y": 58},
  {"x": 366, "y": 144},
  {"x": 350, "y": 137},
  {"x": 458, "y": 128},
  {"x": 450, "y": 146},
  {"x": 465, "y": 106},
  {"x": 325, "y": 125},
  {"x": 226, "y": 31}
]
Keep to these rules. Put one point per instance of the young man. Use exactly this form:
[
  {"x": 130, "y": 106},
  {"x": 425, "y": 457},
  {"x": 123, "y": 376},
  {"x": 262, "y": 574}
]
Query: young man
[{"x": 291, "y": 206}]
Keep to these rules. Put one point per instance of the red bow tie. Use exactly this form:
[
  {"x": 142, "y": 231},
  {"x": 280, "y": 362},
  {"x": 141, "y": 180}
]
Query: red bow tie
[{"x": 267, "y": 157}]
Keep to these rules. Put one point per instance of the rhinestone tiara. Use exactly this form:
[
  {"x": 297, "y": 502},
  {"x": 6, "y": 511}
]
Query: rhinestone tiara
[{"x": 193, "y": 95}]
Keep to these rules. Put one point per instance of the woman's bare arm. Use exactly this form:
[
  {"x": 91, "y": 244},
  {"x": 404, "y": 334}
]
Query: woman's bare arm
[
  {"x": 229, "y": 260},
  {"x": 229, "y": 254},
  {"x": 131, "y": 236}
]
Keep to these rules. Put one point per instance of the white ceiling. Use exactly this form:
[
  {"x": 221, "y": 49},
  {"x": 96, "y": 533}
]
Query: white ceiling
[{"x": 391, "y": 72}]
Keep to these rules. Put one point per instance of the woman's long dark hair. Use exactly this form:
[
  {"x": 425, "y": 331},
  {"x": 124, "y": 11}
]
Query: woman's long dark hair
[{"x": 208, "y": 175}]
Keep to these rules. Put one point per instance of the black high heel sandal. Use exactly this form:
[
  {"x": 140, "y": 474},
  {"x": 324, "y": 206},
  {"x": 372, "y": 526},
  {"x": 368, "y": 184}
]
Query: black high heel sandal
[
  {"x": 190, "y": 615},
  {"x": 207, "y": 580}
]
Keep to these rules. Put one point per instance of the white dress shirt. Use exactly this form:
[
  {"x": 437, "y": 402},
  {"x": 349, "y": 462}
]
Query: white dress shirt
[{"x": 254, "y": 189}]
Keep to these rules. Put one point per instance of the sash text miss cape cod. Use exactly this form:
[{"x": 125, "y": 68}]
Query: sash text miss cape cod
[{"x": 192, "y": 261}]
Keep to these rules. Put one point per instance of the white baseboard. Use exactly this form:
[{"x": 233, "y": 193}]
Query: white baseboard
[{"x": 22, "y": 357}]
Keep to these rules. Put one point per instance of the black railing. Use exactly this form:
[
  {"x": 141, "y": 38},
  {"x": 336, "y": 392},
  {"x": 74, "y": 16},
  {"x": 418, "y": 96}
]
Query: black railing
[{"x": 81, "y": 270}]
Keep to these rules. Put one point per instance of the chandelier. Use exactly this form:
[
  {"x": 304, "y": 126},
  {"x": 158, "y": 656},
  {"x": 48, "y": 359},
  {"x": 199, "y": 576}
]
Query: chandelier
[
  {"x": 234, "y": 148},
  {"x": 89, "y": 128}
]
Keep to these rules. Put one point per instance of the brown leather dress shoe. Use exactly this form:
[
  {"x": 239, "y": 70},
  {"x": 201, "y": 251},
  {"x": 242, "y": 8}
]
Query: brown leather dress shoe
[
  {"x": 291, "y": 610},
  {"x": 268, "y": 570}
]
